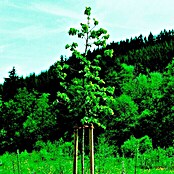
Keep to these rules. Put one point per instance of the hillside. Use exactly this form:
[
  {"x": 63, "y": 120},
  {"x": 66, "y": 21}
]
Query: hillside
[{"x": 141, "y": 71}]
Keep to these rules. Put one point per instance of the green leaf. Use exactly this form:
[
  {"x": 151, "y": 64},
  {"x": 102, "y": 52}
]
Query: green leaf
[
  {"x": 74, "y": 44},
  {"x": 67, "y": 46},
  {"x": 84, "y": 28},
  {"x": 93, "y": 34},
  {"x": 98, "y": 57},
  {"x": 87, "y": 11},
  {"x": 81, "y": 35},
  {"x": 106, "y": 36},
  {"x": 59, "y": 67},
  {"x": 73, "y": 31},
  {"x": 108, "y": 53},
  {"x": 95, "y": 22},
  {"x": 65, "y": 66}
]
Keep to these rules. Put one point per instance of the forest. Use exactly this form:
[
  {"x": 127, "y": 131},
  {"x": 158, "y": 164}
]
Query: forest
[{"x": 126, "y": 89}]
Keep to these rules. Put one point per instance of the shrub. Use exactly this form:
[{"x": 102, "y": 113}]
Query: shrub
[{"x": 133, "y": 145}]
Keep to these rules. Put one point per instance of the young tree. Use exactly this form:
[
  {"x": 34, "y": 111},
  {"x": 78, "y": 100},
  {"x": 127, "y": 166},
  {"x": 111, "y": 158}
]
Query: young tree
[{"x": 87, "y": 97}]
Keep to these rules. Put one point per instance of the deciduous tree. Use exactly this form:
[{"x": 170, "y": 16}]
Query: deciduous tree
[{"x": 87, "y": 97}]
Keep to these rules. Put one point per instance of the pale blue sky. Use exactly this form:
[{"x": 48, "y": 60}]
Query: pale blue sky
[{"x": 33, "y": 33}]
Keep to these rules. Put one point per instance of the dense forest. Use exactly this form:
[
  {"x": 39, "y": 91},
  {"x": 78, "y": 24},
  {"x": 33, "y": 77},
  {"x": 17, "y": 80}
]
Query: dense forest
[{"x": 138, "y": 80}]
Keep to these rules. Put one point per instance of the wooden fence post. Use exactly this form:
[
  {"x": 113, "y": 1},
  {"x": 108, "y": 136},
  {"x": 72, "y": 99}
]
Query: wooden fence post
[
  {"x": 75, "y": 150},
  {"x": 91, "y": 146}
]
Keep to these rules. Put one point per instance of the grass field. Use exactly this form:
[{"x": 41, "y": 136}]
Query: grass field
[
  {"x": 58, "y": 159},
  {"x": 34, "y": 163},
  {"x": 57, "y": 162}
]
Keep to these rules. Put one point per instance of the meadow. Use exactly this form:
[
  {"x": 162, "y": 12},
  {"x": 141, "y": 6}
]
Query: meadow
[{"x": 57, "y": 158}]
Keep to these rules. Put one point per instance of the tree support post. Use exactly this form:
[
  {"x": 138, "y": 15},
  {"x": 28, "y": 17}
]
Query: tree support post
[
  {"x": 91, "y": 146},
  {"x": 75, "y": 150},
  {"x": 83, "y": 149}
]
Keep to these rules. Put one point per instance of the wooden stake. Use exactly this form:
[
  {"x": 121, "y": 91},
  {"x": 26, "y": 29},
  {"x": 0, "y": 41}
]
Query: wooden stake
[
  {"x": 18, "y": 163},
  {"x": 83, "y": 147},
  {"x": 75, "y": 150},
  {"x": 91, "y": 145}
]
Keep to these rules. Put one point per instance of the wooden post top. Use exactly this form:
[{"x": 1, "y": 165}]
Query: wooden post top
[{"x": 84, "y": 126}]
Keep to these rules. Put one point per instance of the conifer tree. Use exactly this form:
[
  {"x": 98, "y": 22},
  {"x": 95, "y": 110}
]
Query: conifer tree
[{"x": 10, "y": 85}]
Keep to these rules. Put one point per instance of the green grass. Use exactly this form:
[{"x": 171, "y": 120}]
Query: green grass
[
  {"x": 57, "y": 158},
  {"x": 36, "y": 163}
]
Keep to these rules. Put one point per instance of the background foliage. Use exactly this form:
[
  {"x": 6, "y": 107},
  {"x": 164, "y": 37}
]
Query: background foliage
[{"x": 130, "y": 94}]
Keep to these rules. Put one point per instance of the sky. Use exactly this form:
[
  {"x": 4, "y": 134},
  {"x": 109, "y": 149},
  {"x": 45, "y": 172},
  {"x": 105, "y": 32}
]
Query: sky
[{"x": 33, "y": 33}]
